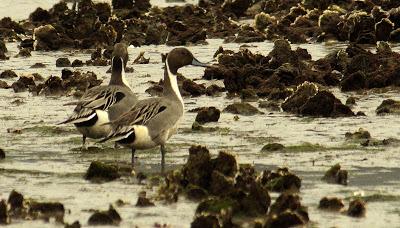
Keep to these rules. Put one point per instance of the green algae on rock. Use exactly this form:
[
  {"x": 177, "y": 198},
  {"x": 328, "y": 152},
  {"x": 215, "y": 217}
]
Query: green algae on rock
[{"x": 101, "y": 172}]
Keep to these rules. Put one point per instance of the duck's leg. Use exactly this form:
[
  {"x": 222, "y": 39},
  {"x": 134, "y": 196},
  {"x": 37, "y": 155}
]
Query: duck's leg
[
  {"x": 84, "y": 142},
  {"x": 163, "y": 150}
]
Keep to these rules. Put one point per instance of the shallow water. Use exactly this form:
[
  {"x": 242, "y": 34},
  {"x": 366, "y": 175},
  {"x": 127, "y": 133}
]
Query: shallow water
[{"x": 45, "y": 163}]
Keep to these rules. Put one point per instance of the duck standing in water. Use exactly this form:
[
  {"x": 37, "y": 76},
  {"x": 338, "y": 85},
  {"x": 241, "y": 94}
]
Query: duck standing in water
[
  {"x": 151, "y": 122},
  {"x": 102, "y": 104}
]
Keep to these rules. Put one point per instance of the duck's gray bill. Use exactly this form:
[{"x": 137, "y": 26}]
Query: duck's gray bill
[{"x": 196, "y": 62}]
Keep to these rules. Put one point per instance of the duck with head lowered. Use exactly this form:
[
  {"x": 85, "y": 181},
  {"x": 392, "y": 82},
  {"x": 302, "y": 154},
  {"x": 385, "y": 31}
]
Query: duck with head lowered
[
  {"x": 102, "y": 104},
  {"x": 151, "y": 122}
]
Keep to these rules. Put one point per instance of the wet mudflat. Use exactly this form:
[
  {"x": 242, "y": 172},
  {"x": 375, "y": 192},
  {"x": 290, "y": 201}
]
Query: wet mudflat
[{"x": 44, "y": 160}]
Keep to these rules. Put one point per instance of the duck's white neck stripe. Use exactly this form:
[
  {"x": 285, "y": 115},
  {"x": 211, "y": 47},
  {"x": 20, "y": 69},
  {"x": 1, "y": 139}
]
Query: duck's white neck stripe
[
  {"x": 123, "y": 77},
  {"x": 174, "y": 82}
]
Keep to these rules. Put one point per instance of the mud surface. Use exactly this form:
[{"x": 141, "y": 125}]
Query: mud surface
[{"x": 44, "y": 161}]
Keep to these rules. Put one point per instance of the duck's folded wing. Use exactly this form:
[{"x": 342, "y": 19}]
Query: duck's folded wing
[
  {"x": 98, "y": 98},
  {"x": 142, "y": 113},
  {"x": 102, "y": 98}
]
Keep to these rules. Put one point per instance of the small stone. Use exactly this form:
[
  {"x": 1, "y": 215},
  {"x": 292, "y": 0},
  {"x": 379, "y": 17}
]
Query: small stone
[
  {"x": 357, "y": 208},
  {"x": 100, "y": 172},
  {"x": 351, "y": 101},
  {"x": 335, "y": 175},
  {"x": 285, "y": 219},
  {"x": 75, "y": 224},
  {"x": 37, "y": 77},
  {"x": 4, "y": 85},
  {"x": 63, "y": 62},
  {"x": 280, "y": 181},
  {"x": 388, "y": 106},
  {"x": 38, "y": 65},
  {"x": 271, "y": 147},
  {"x": 15, "y": 200},
  {"x": 331, "y": 204},
  {"x": 110, "y": 217},
  {"x": 358, "y": 135},
  {"x": 270, "y": 105},
  {"x": 225, "y": 163},
  {"x": 213, "y": 90},
  {"x": 140, "y": 59},
  {"x": 24, "y": 52},
  {"x": 46, "y": 210},
  {"x": 2, "y": 154},
  {"x": 248, "y": 95},
  {"x": 4, "y": 216},
  {"x": 143, "y": 201},
  {"x": 8, "y": 74},
  {"x": 77, "y": 63},
  {"x": 208, "y": 114},
  {"x": 262, "y": 20},
  {"x": 242, "y": 109},
  {"x": 195, "y": 192},
  {"x": 24, "y": 83},
  {"x": 203, "y": 221}
]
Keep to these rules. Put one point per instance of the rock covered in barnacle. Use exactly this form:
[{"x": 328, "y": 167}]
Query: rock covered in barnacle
[
  {"x": 287, "y": 211},
  {"x": 23, "y": 84},
  {"x": 331, "y": 204},
  {"x": 336, "y": 175},
  {"x": 63, "y": 62},
  {"x": 388, "y": 106},
  {"x": 46, "y": 210},
  {"x": 143, "y": 201},
  {"x": 280, "y": 181},
  {"x": 4, "y": 216},
  {"x": 308, "y": 101},
  {"x": 208, "y": 114},
  {"x": 242, "y": 108},
  {"x": 8, "y": 74},
  {"x": 70, "y": 82},
  {"x": 357, "y": 208},
  {"x": 100, "y": 172},
  {"x": 109, "y": 217}
]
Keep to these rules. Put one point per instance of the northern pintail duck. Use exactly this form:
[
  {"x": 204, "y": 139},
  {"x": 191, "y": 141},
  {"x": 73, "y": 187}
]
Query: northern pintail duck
[
  {"x": 151, "y": 122},
  {"x": 102, "y": 104}
]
